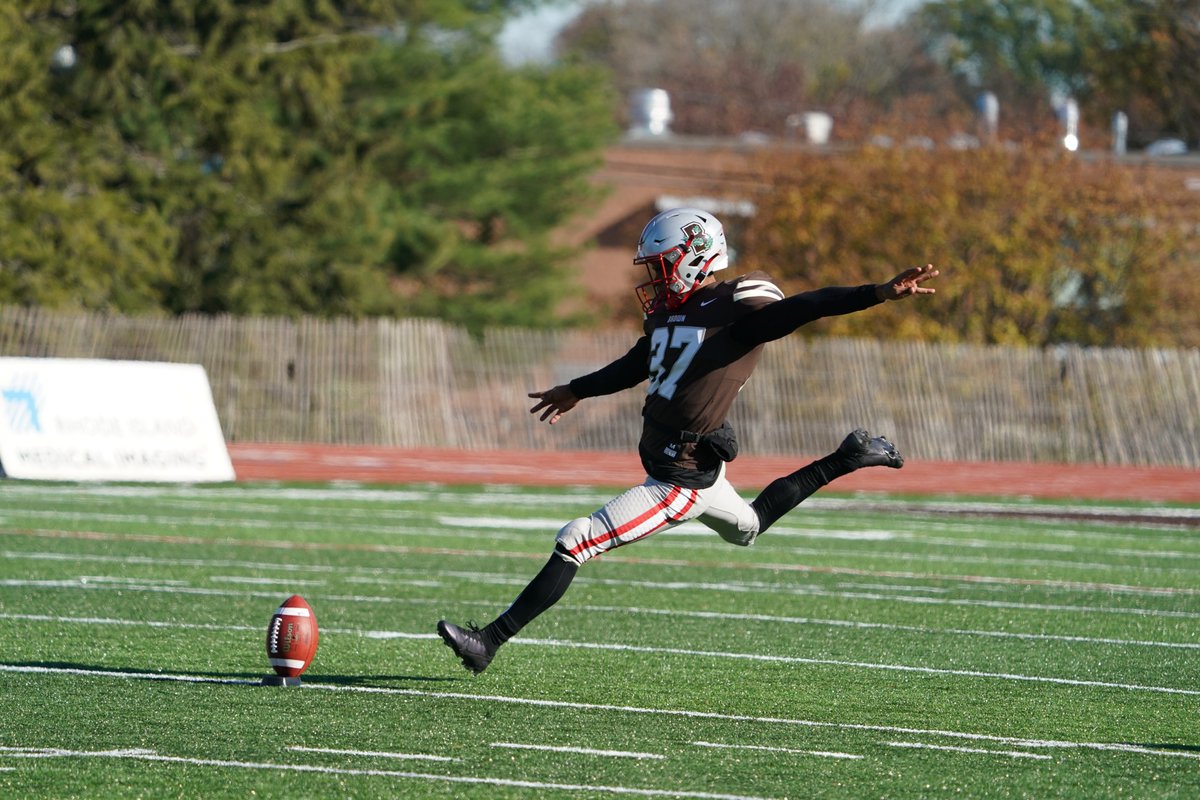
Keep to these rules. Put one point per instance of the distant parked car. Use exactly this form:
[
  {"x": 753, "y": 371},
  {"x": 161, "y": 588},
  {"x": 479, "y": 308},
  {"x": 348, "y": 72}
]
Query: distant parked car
[{"x": 1167, "y": 147}]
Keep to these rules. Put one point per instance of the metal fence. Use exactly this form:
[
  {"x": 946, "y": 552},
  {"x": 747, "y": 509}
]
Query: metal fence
[{"x": 422, "y": 383}]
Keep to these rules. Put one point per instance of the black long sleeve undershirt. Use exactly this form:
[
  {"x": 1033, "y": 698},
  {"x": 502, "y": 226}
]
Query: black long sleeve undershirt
[
  {"x": 626, "y": 372},
  {"x": 776, "y": 320},
  {"x": 770, "y": 322}
]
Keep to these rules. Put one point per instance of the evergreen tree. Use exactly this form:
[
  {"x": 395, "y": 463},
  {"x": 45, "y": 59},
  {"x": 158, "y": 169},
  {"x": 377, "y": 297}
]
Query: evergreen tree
[{"x": 282, "y": 157}]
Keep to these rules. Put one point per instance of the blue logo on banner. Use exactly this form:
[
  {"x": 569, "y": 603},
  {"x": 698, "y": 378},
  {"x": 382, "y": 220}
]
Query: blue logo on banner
[{"x": 21, "y": 409}]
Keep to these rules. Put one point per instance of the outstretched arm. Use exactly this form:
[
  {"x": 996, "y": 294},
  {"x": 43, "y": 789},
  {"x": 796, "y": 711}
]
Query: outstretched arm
[
  {"x": 776, "y": 320},
  {"x": 627, "y": 371}
]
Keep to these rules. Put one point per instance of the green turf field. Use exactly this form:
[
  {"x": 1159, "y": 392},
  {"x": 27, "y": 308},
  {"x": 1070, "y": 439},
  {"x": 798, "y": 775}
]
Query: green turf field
[{"x": 864, "y": 648}]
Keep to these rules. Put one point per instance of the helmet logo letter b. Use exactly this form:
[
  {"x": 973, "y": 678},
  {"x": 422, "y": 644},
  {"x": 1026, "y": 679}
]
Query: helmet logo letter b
[{"x": 697, "y": 239}]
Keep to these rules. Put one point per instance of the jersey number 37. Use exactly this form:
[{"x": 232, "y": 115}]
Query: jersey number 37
[{"x": 672, "y": 349}]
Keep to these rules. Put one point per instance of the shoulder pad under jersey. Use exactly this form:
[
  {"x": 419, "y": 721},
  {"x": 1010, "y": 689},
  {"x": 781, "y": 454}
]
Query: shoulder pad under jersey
[{"x": 756, "y": 289}]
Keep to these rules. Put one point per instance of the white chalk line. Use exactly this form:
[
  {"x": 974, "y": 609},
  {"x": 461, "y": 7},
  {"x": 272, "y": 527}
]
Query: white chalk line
[
  {"x": 284, "y": 544},
  {"x": 774, "y": 567},
  {"x": 382, "y": 634},
  {"x": 829, "y": 662},
  {"x": 83, "y": 584},
  {"x": 369, "y": 753},
  {"x": 979, "y": 750},
  {"x": 587, "y": 751},
  {"x": 664, "y": 612},
  {"x": 764, "y": 748},
  {"x": 494, "y": 527},
  {"x": 138, "y": 754},
  {"x": 576, "y": 706},
  {"x": 840, "y": 623},
  {"x": 963, "y": 673},
  {"x": 491, "y": 495}
]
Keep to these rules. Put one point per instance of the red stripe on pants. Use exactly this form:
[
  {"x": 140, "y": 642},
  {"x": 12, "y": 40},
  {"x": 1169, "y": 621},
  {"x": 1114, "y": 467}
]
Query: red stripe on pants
[{"x": 662, "y": 508}]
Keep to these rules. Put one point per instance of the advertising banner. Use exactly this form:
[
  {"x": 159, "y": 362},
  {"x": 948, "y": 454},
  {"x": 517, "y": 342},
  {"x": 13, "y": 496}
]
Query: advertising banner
[{"x": 89, "y": 419}]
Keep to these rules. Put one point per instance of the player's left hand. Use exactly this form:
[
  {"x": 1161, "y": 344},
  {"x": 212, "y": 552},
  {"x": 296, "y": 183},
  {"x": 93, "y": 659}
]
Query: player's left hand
[{"x": 907, "y": 284}]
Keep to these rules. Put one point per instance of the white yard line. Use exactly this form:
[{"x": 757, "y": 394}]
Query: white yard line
[
  {"x": 587, "y": 751},
  {"x": 296, "y": 748},
  {"x": 493, "y": 527},
  {"x": 980, "y": 750},
  {"x": 150, "y": 755},
  {"x": 775, "y": 567},
  {"x": 150, "y": 586},
  {"x": 491, "y": 495},
  {"x": 964, "y": 673},
  {"x": 820, "y": 753},
  {"x": 574, "y": 706},
  {"x": 487, "y": 554}
]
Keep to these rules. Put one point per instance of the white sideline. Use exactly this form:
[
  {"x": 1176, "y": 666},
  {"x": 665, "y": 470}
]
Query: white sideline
[
  {"x": 138, "y": 754},
  {"x": 665, "y": 712}
]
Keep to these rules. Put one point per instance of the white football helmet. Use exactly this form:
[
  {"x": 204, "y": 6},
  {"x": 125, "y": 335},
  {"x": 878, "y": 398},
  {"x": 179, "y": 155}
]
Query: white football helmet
[{"x": 680, "y": 248}]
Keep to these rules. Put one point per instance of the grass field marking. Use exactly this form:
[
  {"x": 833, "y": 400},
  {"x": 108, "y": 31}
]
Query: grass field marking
[
  {"x": 369, "y": 753},
  {"x": 969, "y": 581},
  {"x": 819, "y": 753},
  {"x": 539, "y": 702},
  {"x": 243, "y": 523},
  {"x": 493, "y": 528},
  {"x": 587, "y": 751},
  {"x": 148, "y": 586},
  {"x": 980, "y": 750},
  {"x": 492, "y": 494},
  {"x": 150, "y": 755},
  {"x": 963, "y": 673},
  {"x": 251, "y": 581},
  {"x": 895, "y": 587},
  {"x": 197, "y": 590},
  {"x": 384, "y": 635},
  {"x": 889, "y": 626},
  {"x": 368, "y": 634},
  {"x": 775, "y": 567}
]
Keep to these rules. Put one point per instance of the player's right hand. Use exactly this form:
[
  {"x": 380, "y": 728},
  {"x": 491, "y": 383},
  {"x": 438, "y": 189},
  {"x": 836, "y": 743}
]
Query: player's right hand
[{"x": 553, "y": 403}]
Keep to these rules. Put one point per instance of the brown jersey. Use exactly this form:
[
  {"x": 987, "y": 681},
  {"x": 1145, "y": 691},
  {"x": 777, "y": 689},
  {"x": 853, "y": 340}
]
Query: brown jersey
[
  {"x": 696, "y": 370},
  {"x": 697, "y": 358}
]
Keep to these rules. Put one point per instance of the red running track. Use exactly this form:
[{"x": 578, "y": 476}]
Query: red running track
[{"x": 304, "y": 462}]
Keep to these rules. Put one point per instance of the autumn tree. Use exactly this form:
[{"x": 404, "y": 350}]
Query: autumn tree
[{"x": 1036, "y": 247}]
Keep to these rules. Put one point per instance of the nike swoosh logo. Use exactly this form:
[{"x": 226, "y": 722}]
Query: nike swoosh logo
[{"x": 706, "y": 302}]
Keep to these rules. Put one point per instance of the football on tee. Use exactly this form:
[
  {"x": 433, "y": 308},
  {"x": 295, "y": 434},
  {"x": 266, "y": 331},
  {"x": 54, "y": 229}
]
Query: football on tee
[{"x": 292, "y": 637}]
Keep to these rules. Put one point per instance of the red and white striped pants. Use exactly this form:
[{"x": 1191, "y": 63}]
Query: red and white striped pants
[{"x": 654, "y": 506}]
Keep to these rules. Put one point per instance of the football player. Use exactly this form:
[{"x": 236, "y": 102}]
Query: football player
[{"x": 702, "y": 339}]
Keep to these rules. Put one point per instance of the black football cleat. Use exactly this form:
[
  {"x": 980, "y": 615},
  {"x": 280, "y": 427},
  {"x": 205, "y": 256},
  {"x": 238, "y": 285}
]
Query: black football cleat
[
  {"x": 860, "y": 450},
  {"x": 468, "y": 644}
]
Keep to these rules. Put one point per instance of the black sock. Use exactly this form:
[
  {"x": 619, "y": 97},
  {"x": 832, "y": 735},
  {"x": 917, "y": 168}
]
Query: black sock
[
  {"x": 542, "y": 592},
  {"x": 784, "y": 494}
]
